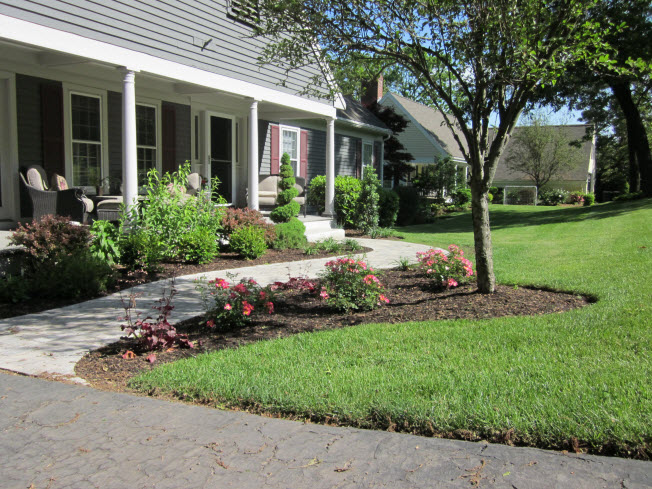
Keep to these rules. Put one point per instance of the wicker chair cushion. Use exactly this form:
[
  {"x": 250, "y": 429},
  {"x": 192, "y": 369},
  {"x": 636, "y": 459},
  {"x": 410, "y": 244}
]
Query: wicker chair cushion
[
  {"x": 34, "y": 179},
  {"x": 58, "y": 182},
  {"x": 88, "y": 204},
  {"x": 194, "y": 183}
]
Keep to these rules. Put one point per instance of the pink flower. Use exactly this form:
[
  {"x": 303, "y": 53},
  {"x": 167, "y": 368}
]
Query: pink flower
[
  {"x": 247, "y": 308},
  {"x": 451, "y": 283},
  {"x": 369, "y": 279},
  {"x": 220, "y": 283},
  {"x": 323, "y": 294},
  {"x": 382, "y": 298},
  {"x": 241, "y": 289},
  {"x": 263, "y": 295},
  {"x": 210, "y": 323},
  {"x": 228, "y": 307},
  {"x": 270, "y": 307}
]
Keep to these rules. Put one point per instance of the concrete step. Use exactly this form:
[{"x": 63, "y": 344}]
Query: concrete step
[{"x": 318, "y": 228}]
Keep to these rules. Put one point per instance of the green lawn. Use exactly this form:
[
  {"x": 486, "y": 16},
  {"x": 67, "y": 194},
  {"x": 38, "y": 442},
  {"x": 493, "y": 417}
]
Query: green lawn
[{"x": 543, "y": 380}]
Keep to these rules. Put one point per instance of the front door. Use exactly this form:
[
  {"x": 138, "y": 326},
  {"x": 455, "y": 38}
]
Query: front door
[
  {"x": 220, "y": 139},
  {"x": 6, "y": 163}
]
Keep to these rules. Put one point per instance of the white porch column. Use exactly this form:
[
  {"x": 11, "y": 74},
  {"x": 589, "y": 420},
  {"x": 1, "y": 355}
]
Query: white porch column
[
  {"x": 330, "y": 168},
  {"x": 129, "y": 151},
  {"x": 253, "y": 156}
]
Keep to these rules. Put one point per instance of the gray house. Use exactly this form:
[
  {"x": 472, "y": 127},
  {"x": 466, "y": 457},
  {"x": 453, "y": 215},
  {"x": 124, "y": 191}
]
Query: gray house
[
  {"x": 579, "y": 177},
  {"x": 95, "y": 89},
  {"x": 427, "y": 137}
]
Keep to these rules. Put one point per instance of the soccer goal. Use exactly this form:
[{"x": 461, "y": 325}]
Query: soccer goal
[{"x": 520, "y": 195}]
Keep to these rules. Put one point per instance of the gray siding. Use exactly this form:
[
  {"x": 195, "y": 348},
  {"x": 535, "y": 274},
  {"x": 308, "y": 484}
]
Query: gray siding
[
  {"x": 344, "y": 152},
  {"x": 28, "y": 102},
  {"x": 345, "y": 155},
  {"x": 317, "y": 153},
  {"x": 172, "y": 30}
]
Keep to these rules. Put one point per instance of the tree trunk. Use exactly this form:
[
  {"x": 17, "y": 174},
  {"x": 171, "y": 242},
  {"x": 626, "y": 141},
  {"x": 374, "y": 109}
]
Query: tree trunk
[
  {"x": 640, "y": 160},
  {"x": 484, "y": 261}
]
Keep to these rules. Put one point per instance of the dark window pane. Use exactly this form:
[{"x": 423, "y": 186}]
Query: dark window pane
[
  {"x": 85, "y": 118},
  {"x": 145, "y": 125}
]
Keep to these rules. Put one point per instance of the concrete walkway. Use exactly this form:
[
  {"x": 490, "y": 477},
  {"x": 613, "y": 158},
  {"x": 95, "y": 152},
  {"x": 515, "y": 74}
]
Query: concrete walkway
[
  {"x": 55, "y": 435},
  {"x": 53, "y": 341}
]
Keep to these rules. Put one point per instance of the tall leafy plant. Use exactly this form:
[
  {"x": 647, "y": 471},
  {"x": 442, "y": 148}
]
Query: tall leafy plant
[
  {"x": 368, "y": 209},
  {"x": 287, "y": 208}
]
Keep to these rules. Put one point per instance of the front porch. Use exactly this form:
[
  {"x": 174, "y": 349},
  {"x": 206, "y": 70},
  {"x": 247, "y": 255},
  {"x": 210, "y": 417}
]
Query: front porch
[{"x": 95, "y": 112}]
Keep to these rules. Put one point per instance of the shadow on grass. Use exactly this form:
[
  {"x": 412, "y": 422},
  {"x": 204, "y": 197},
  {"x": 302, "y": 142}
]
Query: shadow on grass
[{"x": 512, "y": 217}]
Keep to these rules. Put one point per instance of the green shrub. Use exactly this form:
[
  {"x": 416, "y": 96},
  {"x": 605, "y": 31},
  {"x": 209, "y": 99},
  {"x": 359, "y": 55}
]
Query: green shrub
[
  {"x": 14, "y": 288},
  {"x": 589, "y": 199},
  {"x": 349, "y": 284},
  {"x": 461, "y": 197},
  {"x": 552, "y": 196},
  {"x": 285, "y": 212},
  {"x": 410, "y": 206},
  {"x": 367, "y": 207},
  {"x": 73, "y": 277},
  {"x": 575, "y": 198},
  {"x": 382, "y": 233},
  {"x": 290, "y": 235},
  {"x": 141, "y": 249},
  {"x": 388, "y": 207},
  {"x": 347, "y": 191},
  {"x": 236, "y": 218},
  {"x": 498, "y": 194},
  {"x": 105, "y": 242},
  {"x": 198, "y": 246},
  {"x": 170, "y": 213},
  {"x": 490, "y": 197},
  {"x": 629, "y": 196},
  {"x": 317, "y": 193},
  {"x": 248, "y": 241},
  {"x": 286, "y": 208}
]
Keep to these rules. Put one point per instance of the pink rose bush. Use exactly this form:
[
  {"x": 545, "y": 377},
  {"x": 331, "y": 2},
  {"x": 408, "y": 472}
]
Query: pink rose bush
[
  {"x": 350, "y": 284},
  {"x": 445, "y": 269},
  {"x": 229, "y": 305}
]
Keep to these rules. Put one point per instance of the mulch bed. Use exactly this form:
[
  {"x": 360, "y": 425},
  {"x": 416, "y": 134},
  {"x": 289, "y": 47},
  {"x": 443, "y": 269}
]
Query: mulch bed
[
  {"x": 127, "y": 279},
  {"x": 411, "y": 299}
]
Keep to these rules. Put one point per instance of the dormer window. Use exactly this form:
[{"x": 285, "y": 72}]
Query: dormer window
[{"x": 244, "y": 11}]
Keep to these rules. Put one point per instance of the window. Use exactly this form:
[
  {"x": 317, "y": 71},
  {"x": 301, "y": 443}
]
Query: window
[
  {"x": 145, "y": 140},
  {"x": 367, "y": 154},
  {"x": 86, "y": 117},
  {"x": 290, "y": 145},
  {"x": 244, "y": 11}
]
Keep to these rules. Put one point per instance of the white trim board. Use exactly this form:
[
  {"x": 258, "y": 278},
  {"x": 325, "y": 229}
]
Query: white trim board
[{"x": 52, "y": 39}]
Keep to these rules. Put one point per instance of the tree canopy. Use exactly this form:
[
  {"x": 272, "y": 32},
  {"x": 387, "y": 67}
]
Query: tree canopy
[{"x": 469, "y": 58}]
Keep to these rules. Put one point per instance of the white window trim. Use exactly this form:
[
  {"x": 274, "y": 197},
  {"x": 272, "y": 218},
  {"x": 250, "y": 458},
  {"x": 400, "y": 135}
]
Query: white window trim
[
  {"x": 159, "y": 130},
  {"x": 296, "y": 129},
  {"x": 367, "y": 142},
  {"x": 68, "y": 91}
]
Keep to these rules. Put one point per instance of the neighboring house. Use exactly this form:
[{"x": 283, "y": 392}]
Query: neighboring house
[
  {"x": 95, "y": 89},
  {"x": 580, "y": 178},
  {"x": 427, "y": 137}
]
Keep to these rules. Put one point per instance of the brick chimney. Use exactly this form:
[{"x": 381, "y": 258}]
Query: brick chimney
[{"x": 372, "y": 91}]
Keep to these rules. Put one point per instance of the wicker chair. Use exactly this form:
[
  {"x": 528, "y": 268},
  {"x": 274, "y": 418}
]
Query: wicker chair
[{"x": 36, "y": 201}]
